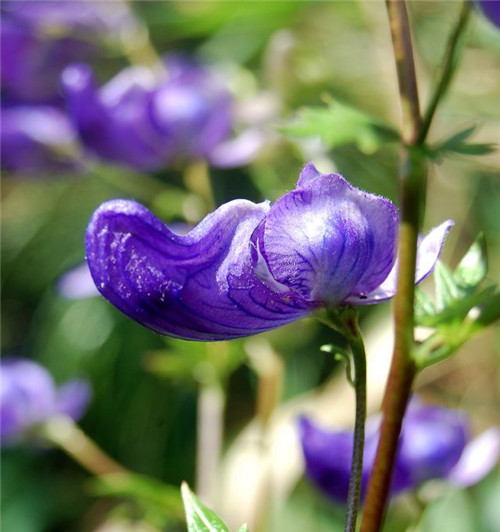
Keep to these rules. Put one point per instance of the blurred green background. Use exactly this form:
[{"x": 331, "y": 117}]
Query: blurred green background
[{"x": 300, "y": 56}]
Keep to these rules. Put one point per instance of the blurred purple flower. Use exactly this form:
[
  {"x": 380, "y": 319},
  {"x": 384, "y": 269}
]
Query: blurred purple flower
[
  {"x": 36, "y": 139},
  {"x": 248, "y": 267},
  {"x": 77, "y": 283},
  {"x": 144, "y": 123},
  {"x": 434, "y": 444},
  {"x": 491, "y": 10},
  {"x": 38, "y": 39},
  {"x": 29, "y": 398}
]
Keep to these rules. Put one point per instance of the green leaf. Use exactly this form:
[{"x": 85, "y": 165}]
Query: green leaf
[
  {"x": 446, "y": 288},
  {"x": 473, "y": 266},
  {"x": 424, "y": 306},
  {"x": 243, "y": 528},
  {"x": 339, "y": 124},
  {"x": 456, "y": 144},
  {"x": 459, "y": 308},
  {"x": 150, "y": 493},
  {"x": 473, "y": 149},
  {"x": 458, "y": 138},
  {"x": 198, "y": 517}
]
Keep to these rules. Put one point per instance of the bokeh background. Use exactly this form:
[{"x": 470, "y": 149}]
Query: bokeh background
[{"x": 285, "y": 64}]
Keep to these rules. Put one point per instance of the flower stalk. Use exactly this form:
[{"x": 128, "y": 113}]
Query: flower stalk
[
  {"x": 412, "y": 182},
  {"x": 347, "y": 324}
]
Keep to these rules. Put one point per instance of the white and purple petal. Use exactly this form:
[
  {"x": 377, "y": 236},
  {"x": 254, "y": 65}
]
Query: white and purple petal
[
  {"x": 327, "y": 240},
  {"x": 428, "y": 252},
  {"x": 480, "y": 456},
  {"x": 200, "y": 286}
]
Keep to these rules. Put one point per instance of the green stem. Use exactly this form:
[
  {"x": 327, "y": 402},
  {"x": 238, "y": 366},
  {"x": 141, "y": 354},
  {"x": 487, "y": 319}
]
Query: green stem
[
  {"x": 412, "y": 182},
  {"x": 354, "y": 493},
  {"x": 449, "y": 63},
  {"x": 347, "y": 324},
  {"x": 65, "y": 434}
]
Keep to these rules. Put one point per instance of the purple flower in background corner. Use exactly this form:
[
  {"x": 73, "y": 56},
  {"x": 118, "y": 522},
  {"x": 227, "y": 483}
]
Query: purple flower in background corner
[
  {"x": 29, "y": 397},
  {"x": 36, "y": 139},
  {"x": 491, "y": 10},
  {"x": 434, "y": 444},
  {"x": 38, "y": 39},
  {"x": 146, "y": 123},
  {"x": 248, "y": 267}
]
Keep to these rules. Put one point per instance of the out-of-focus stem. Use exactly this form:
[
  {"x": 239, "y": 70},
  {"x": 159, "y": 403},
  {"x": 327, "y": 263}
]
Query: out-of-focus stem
[
  {"x": 448, "y": 68},
  {"x": 64, "y": 433},
  {"x": 405, "y": 66},
  {"x": 269, "y": 369},
  {"x": 412, "y": 182},
  {"x": 137, "y": 46},
  {"x": 210, "y": 429},
  {"x": 197, "y": 179}
]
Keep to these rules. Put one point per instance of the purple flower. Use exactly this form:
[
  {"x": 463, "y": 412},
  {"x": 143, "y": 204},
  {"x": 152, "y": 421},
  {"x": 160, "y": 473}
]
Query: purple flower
[
  {"x": 144, "y": 123},
  {"x": 434, "y": 444},
  {"x": 491, "y": 10},
  {"x": 29, "y": 398},
  {"x": 77, "y": 283},
  {"x": 35, "y": 139},
  {"x": 248, "y": 267},
  {"x": 38, "y": 39}
]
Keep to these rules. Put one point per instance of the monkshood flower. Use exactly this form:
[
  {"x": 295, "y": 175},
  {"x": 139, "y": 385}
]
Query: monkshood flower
[
  {"x": 146, "y": 123},
  {"x": 36, "y": 139},
  {"x": 38, "y": 39},
  {"x": 29, "y": 397},
  {"x": 434, "y": 444},
  {"x": 248, "y": 267},
  {"x": 491, "y": 10}
]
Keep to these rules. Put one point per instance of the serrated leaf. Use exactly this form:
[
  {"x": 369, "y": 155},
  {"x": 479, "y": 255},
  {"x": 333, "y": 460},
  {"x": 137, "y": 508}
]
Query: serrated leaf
[
  {"x": 198, "y": 517},
  {"x": 473, "y": 267},
  {"x": 446, "y": 288}
]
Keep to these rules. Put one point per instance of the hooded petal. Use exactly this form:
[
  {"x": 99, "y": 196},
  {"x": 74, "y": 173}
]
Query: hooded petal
[
  {"x": 428, "y": 252},
  {"x": 327, "y": 240},
  {"x": 200, "y": 286}
]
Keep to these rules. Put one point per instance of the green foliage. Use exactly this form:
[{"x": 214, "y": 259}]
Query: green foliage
[
  {"x": 456, "y": 144},
  {"x": 158, "y": 502},
  {"x": 199, "y": 518},
  {"x": 461, "y": 307},
  {"x": 195, "y": 362},
  {"x": 338, "y": 124}
]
